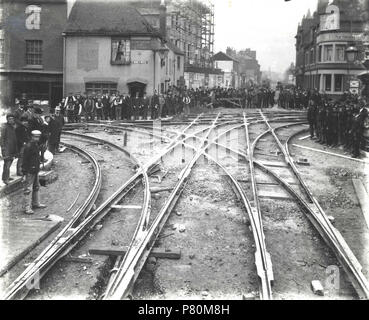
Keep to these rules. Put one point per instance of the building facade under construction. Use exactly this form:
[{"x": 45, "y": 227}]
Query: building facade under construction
[{"x": 190, "y": 27}]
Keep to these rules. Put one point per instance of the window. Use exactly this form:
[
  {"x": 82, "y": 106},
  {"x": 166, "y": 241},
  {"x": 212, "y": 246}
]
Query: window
[
  {"x": 320, "y": 54},
  {"x": 338, "y": 81},
  {"x": 328, "y": 53},
  {"x": 2, "y": 52},
  {"x": 179, "y": 63},
  {"x": 312, "y": 56},
  {"x": 120, "y": 51},
  {"x": 100, "y": 87},
  {"x": 34, "y": 52},
  {"x": 306, "y": 58},
  {"x": 340, "y": 52},
  {"x": 328, "y": 82}
]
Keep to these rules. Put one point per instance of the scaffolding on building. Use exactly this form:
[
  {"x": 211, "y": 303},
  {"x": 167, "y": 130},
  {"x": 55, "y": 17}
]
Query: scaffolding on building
[{"x": 192, "y": 30}]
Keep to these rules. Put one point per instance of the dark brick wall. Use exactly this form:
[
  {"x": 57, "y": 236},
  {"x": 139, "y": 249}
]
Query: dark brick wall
[{"x": 53, "y": 22}]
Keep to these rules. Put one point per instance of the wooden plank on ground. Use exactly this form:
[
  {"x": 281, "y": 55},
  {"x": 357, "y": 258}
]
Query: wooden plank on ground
[
  {"x": 121, "y": 251},
  {"x": 274, "y": 164},
  {"x": 363, "y": 197},
  {"x": 126, "y": 207},
  {"x": 273, "y": 192},
  {"x": 20, "y": 236}
]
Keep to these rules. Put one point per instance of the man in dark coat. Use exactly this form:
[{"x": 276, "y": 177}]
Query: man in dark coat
[
  {"x": 53, "y": 134},
  {"x": 58, "y": 117},
  {"x": 154, "y": 106},
  {"x": 9, "y": 145},
  {"x": 30, "y": 169},
  {"x": 23, "y": 135},
  {"x": 311, "y": 114},
  {"x": 88, "y": 107},
  {"x": 145, "y": 106}
]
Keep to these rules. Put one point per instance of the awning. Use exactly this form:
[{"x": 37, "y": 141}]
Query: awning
[{"x": 132, "y": 80}]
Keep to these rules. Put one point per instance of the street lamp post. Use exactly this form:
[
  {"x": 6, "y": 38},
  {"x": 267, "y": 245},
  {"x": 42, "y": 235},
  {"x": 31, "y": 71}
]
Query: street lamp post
[{"x": 351, "y": 53}]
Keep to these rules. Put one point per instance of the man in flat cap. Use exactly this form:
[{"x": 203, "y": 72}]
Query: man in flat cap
[{"x": 30, "y": 169}]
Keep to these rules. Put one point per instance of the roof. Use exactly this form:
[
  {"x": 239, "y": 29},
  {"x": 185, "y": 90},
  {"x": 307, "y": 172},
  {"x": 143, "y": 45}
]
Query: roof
[
  {"x": 221, "y": 56},
  {"x": 107, "y": 18}
]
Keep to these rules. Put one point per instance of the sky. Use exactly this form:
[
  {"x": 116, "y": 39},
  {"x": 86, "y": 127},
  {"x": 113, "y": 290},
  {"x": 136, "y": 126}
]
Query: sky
[{"x": 267, "y": 26}]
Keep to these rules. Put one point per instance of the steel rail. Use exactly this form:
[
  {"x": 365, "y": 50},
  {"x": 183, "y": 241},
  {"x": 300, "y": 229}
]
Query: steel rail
[
  {"x": 73, "y": 235},
  {"x": 348, "y": 259},
  {"x": 357, "y": 279},
  {"x": 123, "y": 280},
  {"x": 262, "y": 257},
  {"x": 332, "y": 236},
  {"x": 34, "y": 272},
  {"x": 142, "y": 245}
]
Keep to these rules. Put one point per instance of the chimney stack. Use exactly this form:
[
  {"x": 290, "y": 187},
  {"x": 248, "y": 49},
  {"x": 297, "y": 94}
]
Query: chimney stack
[{"x": 163, "y": 19}]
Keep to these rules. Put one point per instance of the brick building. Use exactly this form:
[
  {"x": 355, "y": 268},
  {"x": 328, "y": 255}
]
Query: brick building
[
  {"x": 321, "y": 41},
  {"x": 31, "y": 49},
  {"x": 248, "y": 66}
]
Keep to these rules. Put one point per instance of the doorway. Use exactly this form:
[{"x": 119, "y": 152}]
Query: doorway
[{"x": 136, "y": 87}]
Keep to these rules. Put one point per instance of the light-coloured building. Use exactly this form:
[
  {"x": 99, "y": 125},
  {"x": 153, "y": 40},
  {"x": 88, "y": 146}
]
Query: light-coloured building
[
  {"x": 229, "y": 66},
  {"x": 112, "y": 48}
]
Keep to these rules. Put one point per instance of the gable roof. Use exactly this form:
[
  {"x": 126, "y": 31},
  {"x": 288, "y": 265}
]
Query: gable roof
[
  {"x": 106, "y": 17},
  {"x": 221, "y": 56}
]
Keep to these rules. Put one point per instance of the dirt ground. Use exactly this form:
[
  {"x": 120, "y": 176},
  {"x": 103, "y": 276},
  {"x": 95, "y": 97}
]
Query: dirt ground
[{"x": 208, "y": 225}]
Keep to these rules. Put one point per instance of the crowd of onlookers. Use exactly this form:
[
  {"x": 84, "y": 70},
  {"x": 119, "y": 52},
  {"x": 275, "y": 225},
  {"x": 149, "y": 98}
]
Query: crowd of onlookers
[
  {"x": 175, "y": 101},
  {"x": 332, "y": 122},
  {"x": 16, "y": 133},
  {"x": 339, "y": 123}
]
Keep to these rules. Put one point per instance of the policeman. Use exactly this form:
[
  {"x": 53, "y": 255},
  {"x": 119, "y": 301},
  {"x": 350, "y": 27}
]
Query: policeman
[
  {"x": 311, "y": 114},
  {"x": 30, "y": 170},
  {"x": 357, "y": 131}
]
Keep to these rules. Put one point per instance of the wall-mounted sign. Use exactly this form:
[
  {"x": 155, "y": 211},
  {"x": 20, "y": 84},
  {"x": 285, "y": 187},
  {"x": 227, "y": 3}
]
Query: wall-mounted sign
[
  {"x": 33, "y": 20},
  {"x": 331, "y": 19},
  {"x": 354, "y": 84},
  {"x": 140, "y": 62},
  {"x": 354, "y": 90},
  {"x": 339, "y": 36}
]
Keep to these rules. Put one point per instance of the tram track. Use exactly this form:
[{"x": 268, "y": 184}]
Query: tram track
[{"x": 149, "y": 227}]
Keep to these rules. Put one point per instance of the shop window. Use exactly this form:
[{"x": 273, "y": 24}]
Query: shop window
[
  {"x": 35, "y": 90},
  {"x": 100, "y": 88},
  {"x": 340, "y": 52},
  {"x": 338, "y": 82},
  {"x": 328, "y": 53},
  {"x": 327, "y": 82},
  {"x": 34, "y": 52},
  {"x": 120, "y": 51}
]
